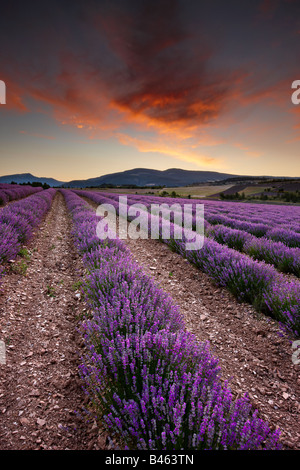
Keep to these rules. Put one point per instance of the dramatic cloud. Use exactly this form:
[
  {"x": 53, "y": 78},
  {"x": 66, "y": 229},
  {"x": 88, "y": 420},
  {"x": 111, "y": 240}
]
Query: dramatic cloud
[
  {"x": 160, "y": 76},
  {"x": 179, "y": 152},
  {"x": 164, "y": 78}
]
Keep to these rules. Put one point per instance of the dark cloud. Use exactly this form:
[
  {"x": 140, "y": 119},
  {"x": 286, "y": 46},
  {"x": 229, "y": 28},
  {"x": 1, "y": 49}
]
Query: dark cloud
[
  {"x": 163, "y": 70},
  {"x": 141, "y": 58}
]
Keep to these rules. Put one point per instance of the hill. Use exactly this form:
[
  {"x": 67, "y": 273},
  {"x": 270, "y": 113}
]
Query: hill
[
  {"x": 148, "y": 177},
  {"x": 172, "y": 178},
  {"x": 29, "y": 178}
]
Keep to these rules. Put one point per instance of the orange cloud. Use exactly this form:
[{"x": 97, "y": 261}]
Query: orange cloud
[
  {"x": 179, "y": 152},
  {"x": 248, "y": 151}
]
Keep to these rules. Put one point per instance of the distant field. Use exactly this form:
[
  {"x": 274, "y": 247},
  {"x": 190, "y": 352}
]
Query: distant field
[
  {"x": 251, "y": 190},
  {"x": 193, "y": 191},
  {"x": 199, "y": 191},
  {"x": 125, "y": 190}
]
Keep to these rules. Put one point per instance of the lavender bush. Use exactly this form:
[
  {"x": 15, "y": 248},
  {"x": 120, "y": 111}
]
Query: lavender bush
[
  {"x": 233, "y": 238},
  {"x": 18, "y": 220},
  {"x": 278, "y": 254},
  {"x": 284, "y": 235},
  {"x": 282, "y": 300},
  {"x": 283, "y": 257},
  {"x": 162, "y": 392},
  {"x": 12, "y": 192},
  {"x": 279, "y": 223}
]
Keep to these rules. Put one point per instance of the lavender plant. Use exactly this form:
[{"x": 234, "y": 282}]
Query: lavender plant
[
  {"x": 233, "y": 238},
  {"x": 18, "y": 220},
  {"x": 11, "y": 192},
  {"x": 283, "y": 257},
  {"x": 282, "y": 300},
  {"x": 284, "y": 235},
  {"x": 162, "y": 391}
]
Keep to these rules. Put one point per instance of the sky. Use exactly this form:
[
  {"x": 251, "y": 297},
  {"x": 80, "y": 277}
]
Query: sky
[{"x": 96, "y": 87}]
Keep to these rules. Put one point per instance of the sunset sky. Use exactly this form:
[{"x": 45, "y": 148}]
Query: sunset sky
[{"x": 96, "y": 87}]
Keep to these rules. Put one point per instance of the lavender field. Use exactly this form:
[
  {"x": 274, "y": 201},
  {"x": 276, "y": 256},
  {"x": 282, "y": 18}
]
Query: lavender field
[
  {"x": 151, "y": 383},
  {"x": 248, "y": 249},
  {"x": 11, "y": 192}
]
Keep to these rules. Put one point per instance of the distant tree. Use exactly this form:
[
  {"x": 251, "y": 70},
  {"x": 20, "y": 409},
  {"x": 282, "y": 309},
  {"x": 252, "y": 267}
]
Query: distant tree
[{"x": 290, "y": 196}]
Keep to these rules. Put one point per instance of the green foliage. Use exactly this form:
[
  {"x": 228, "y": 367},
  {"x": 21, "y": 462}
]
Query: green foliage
[
  {"x": 77, "y": 285},
  {"x": 51, "y": 291},
  {"x": 20, "y": 268},
  {"x": 24, "y": 253},
  {"x": 235, "y": 196}
]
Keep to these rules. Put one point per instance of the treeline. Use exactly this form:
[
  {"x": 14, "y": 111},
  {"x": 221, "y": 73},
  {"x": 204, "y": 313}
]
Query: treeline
[
  {"x": 35, "y": 184},
  {"x": 173, "y": 194},
  {"x": 290, "y": 196},
  {"x": 235, "y": 196},
  {"x": 123, "y": 186},
  {"x": 287, "y": 196}
]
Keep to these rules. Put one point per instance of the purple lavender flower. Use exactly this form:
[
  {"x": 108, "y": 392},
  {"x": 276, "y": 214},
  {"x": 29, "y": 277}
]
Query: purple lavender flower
[{"x": 18, "y": 220}]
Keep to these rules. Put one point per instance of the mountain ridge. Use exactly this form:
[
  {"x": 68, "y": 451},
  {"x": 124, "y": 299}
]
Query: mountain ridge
[
  {"x": 172, "y": 177},
  {"x": 21, "y": 178},
  {"x": 150, "y": 177}
]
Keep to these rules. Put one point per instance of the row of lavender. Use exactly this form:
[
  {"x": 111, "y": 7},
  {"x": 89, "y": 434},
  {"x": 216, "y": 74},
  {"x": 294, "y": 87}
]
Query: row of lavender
[
  {"x": 250, "y": 280},
  {"x": 12, "y": 192},
  {"x": 285, "y": 258},
  {"x": 279, "y": 223},
  {"x": 18, "y": 220},
  {"x": 151, "y": 382},
  {"x": 259, "y": 216},
  {"x": 284, "y": 254}
]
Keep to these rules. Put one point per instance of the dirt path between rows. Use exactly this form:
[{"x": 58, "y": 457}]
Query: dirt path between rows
[
  {"x": 40, "y": 392},
  {"x": 252, "y": 351}
]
